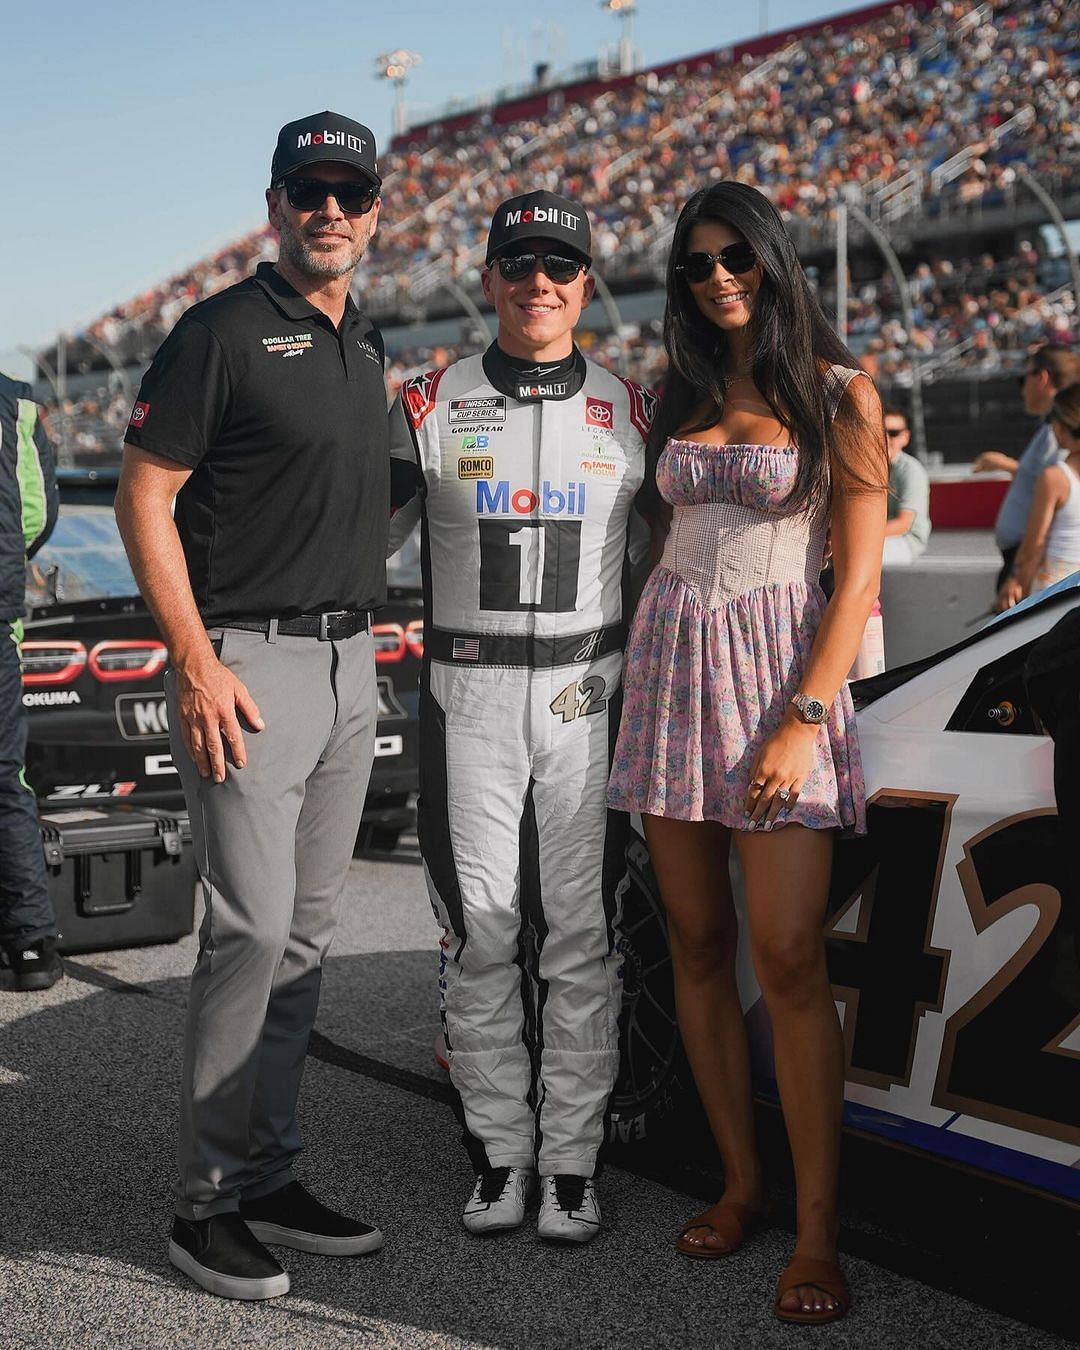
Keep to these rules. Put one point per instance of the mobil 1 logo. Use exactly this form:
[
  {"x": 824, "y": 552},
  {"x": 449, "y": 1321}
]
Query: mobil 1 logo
[{"x": 142, "y": 717}]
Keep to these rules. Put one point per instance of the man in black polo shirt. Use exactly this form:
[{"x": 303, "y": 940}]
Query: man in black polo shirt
[{"x": 263, "y": 417}]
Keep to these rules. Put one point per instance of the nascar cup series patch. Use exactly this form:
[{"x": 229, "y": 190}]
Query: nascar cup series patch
[{"x": 492, "y": 409}]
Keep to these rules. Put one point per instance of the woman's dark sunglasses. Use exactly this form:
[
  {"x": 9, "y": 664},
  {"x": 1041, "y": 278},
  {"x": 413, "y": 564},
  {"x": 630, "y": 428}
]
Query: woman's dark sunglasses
[
  {"x": 520, "y": 265},
  {"x": 736, "y": 259},
  {"x": 308, "y": 194}
]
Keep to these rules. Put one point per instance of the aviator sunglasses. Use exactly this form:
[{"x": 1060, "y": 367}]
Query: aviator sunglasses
[
  {"x": 308, "y": 194},
  {"x": 520, "y": 265},
  {"x": 736, "y": 259}
]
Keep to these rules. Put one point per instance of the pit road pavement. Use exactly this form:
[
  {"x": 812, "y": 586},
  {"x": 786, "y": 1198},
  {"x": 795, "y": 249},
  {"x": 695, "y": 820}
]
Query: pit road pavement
[{"x": 88, "y": 1076}]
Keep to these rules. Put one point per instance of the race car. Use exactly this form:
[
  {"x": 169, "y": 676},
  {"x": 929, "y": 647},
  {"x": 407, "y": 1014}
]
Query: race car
[
  {"x": 93, "y": 662},
  {"x": 953, "y": 934}
]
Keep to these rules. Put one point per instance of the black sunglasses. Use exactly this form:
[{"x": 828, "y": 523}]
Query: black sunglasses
[
  {"x": 894, "y": 431},
  {"x": 736, "y": 259},
  {"x": 307, "y": 194},
  {"x": 520, "y": 265}
]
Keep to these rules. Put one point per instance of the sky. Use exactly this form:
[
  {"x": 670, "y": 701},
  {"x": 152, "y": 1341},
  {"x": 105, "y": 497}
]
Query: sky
[{"x": 139, "y": 135}]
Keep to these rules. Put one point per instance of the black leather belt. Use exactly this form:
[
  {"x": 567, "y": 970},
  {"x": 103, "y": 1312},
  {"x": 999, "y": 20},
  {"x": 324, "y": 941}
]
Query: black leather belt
[
  {"x": 522, "y": 649},
  {"x": 332, "y": 627}
]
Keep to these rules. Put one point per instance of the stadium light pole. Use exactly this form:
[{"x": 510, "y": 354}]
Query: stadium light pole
[
  {"x": 1033, "y": 185},
  {"x": 878, "y": 235},
  {"x": 841, "y": 272},
  {"x": 395, "y": 66},
  {"x": 118, "y": 369},
  {"x": 625, "y": 10}
]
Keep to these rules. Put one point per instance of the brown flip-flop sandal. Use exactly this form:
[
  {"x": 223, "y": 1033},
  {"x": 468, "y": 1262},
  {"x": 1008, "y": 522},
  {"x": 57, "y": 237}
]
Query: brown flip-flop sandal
[
  {"x": 824, "y": 1275},
  {"x": 729, "y": 1220}
]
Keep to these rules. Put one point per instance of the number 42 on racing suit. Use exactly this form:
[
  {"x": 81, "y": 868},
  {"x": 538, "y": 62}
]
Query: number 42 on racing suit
[{"x": 524, "y": 493}]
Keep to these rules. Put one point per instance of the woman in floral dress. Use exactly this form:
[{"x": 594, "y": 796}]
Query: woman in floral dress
[{"x": 737, "y": 723}]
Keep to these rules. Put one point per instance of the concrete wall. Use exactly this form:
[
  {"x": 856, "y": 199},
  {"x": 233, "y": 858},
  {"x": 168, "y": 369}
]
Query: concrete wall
[{"x": 940, "y": 599}]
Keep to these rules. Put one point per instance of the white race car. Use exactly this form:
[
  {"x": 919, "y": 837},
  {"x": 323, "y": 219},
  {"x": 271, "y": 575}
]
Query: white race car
[{"x": 953, "y": 940}]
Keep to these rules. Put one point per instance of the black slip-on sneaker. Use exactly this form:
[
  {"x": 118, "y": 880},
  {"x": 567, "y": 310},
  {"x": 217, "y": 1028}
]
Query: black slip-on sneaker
[
  {"x": 35, "y": 967},
  {"x": 291, "y": 1217},
  {"x": 223, "y": 1256}
]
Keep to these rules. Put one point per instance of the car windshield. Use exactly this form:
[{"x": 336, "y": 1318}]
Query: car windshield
[{"x": 83, "y": 559}]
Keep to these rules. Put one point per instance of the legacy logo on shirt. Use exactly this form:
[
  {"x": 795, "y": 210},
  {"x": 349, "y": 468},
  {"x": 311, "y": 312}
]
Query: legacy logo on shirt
[
  {"x": 369, "y": 350},
  {"x": 139, "y": 414}
]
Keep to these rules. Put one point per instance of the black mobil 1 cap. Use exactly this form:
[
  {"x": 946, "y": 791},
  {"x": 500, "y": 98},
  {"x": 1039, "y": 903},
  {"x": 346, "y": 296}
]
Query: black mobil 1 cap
[
  {"x": 324, "y": 136},
  {"x": 540, "y": 215}
]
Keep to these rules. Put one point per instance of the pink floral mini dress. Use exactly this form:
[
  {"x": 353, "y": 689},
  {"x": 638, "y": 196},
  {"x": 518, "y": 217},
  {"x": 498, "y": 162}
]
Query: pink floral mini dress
[{"x": 719, "y": 642}]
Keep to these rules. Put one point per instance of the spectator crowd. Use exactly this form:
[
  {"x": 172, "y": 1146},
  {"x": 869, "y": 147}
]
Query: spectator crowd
[
  {"x": 987, "y": 312},
  {"x": 840, "y": 112}
]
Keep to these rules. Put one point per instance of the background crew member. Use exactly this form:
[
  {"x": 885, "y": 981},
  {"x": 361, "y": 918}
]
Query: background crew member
[
  {"x": 265, "y": 411},
  {"x": 28, "y": 505},
  {"x": 1050, "y": 550},
  {"x": 1051, "y": 368},
  {"x": 907, "y": 529},
  {"x": 525, "y": 462}
]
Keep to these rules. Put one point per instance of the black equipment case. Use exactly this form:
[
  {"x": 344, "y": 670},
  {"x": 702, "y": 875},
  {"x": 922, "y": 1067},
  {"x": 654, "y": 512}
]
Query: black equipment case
[{"x": 119, "y": 876}]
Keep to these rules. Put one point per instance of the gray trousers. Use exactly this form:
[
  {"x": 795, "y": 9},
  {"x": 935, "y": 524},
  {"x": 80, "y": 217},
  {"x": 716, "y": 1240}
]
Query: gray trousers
[{"x": 273, "y": 845}]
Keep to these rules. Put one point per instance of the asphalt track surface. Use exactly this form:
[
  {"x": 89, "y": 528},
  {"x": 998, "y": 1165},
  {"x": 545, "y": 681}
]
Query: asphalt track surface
[{"x": 89, "y": 1073}]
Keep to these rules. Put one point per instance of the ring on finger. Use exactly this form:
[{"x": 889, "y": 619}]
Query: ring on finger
[{"x": 782, "y": 794}]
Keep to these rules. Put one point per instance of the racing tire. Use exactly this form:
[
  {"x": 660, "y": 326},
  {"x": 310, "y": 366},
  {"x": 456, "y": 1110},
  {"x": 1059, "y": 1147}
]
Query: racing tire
[
  {"x": 376, "y": 839},
  {"x": 654, "y": 1099}
]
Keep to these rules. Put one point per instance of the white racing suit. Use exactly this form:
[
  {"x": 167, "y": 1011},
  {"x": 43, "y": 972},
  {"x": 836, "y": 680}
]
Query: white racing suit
[{"x": 524, "y": 508}]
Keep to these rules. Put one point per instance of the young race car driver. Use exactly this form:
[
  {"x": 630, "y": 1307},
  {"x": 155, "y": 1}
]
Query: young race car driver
[{"x": 522, "y": 465}]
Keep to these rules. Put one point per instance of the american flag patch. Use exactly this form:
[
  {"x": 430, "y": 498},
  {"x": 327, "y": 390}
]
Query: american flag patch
[{"x": 466, "y": 649}]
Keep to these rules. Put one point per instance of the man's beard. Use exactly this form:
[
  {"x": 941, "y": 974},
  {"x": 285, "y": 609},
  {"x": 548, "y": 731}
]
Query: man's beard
[{"x": 302, "y": 253}]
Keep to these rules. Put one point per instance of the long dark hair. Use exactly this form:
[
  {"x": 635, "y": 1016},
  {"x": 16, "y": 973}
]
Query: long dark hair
[{"x": 791, "y": 343}]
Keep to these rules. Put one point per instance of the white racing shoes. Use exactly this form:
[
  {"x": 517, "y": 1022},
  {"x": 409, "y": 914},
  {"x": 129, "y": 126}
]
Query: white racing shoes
[
  {"x": 569, "y": 1209},
  {"x": 499, "y": 1198}
]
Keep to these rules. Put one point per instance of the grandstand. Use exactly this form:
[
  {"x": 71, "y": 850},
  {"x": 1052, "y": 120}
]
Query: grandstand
[{"x": 948, "y": 126}]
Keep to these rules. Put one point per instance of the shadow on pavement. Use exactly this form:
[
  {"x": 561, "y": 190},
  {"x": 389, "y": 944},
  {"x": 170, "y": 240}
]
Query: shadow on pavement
[{"x": 89, "y": 1104}]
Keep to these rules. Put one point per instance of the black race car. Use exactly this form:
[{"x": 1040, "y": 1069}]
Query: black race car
[{"x": 92, "y": 675}]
